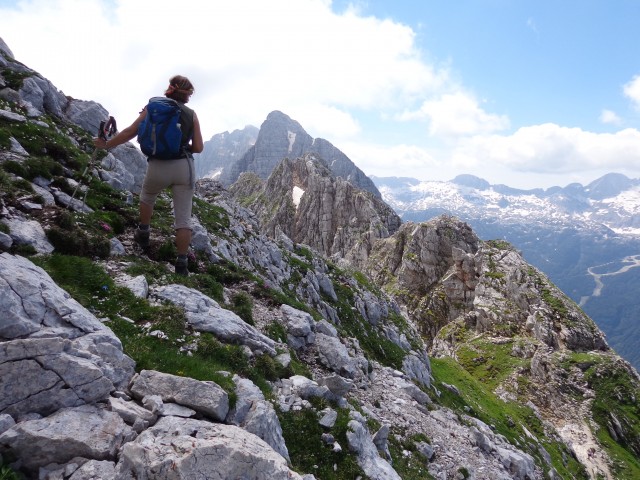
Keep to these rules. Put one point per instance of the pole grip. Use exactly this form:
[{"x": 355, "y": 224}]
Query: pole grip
[{"x": 101, "y": 133}]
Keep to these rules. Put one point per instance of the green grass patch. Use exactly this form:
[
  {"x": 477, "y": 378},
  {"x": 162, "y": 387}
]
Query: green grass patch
[
  {"x": 309, "y": 454},
  {"x": 554, "y": 302},
  {"x": 79, "y": 242},
  {"x": 41, "y": 141},
  {"x": 242, "y": 305},
  {"x": 212, "y": 217},
  {"x": 616, "y": 397},
  {"x": 491, "y": 363},
  {"x": 228, "y": 273},
  {"x": 409, "y": 467},
  {"x": 14, "y": 78},
  {"x": 7, "y": 473},
  {"x": 508, "y": 418}
]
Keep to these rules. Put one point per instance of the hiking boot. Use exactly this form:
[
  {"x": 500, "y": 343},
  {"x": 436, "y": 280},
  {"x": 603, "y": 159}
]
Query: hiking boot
[
  {"x": 142, "y": 238},
  {"x": 182, "y": 266}
]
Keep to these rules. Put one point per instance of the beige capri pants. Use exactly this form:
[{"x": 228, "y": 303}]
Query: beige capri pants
[{"x": 177, "y": 174}]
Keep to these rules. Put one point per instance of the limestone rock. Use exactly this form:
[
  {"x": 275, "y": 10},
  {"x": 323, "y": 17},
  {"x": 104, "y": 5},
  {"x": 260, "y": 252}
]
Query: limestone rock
[
  {"x": 95, "y": 470},
  {"x": 333, "y": 216},
  {"x": 56, "y": 353},
  {"x": 300, "y": 327},
  {"x": 335, "y": 356},
  {"x": 138, "y": 285},
  {"x": 361, "y": 443},
  {"x": 86, "y": 114},
  {"x": 43, "y": 96},
  {"x": 124, "y": 168},
  {"x": 204, "y": 314},
  {"x": 87, "y": 431},
  {"x": 28, "y": 232},
  {"x": 338, "y": 385},
  {"x": 204, "y": 397},
  {"x": 187, "y": 448}
]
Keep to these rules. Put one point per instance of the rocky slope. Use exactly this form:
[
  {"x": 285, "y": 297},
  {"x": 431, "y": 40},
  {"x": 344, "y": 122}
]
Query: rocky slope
[
  {"x": 584, "y": 237},
  {"x": 272, "y": 360}
]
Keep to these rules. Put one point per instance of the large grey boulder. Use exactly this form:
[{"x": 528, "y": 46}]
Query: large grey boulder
[
  {"x": 43, "y": 96},
  {"x": 28, "y": 232},
  {"x": 300, "y": 327},
  {"x": 95, "y": 470},
  {"x": 334, "y": 355},
  {"x": 11, "y": 116},
  {"x": 205, "y": 397},
  {"x": 87, "y": 431},
  {"x": 416, "y": 366},
  {"x": 32, "y": 304},
  {"x": 247, "y": 393},
  {"x": 124, "y": 168},
  {"x": 361, "y": 442},
  {"x": 39, "y": 376},
  {"x": 262, "y": 421},
  {"x": 4, "y": 48},
  {"x": 86, "y": 114},
  {"x": 54, "y": 353},
  {"x": 205, "y": 315},
  {"x": 195, "y": 449}
]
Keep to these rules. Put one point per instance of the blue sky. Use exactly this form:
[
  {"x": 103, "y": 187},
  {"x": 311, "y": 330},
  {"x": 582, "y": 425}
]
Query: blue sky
[
  {"x": 536, "y": 61},
  {"x": 524, "y": 93}
]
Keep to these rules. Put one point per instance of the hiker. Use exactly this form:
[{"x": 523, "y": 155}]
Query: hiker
[{"x": 177, "y": 172}]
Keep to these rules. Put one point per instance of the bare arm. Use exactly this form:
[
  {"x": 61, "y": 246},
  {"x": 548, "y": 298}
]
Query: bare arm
[
  {"x": 197, "y": 144},
  {"x": 124, "y": 135}
]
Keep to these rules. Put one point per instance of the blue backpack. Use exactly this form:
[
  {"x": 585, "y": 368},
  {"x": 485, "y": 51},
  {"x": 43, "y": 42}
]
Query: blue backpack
[{"x": 160, "y": 134}]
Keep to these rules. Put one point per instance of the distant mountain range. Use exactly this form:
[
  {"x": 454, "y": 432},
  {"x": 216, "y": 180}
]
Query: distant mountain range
[{"x": 586, "y": 238}]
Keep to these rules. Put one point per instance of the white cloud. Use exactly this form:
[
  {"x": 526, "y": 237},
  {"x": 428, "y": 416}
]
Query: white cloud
[
  {"x": 457, "y": 114},
  {"x": 632, "y": 91},
  {"x": 391, "y": 161},
  {"x": 550, "y": 148},
  {"x": 245, "y": 57},
  {"x": 610, "y": 117},
  {"x": 326, "y": 122}
]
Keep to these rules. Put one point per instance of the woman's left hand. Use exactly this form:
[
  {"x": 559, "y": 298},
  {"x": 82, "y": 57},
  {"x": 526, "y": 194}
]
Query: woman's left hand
[{"x": 100, "y": 143}]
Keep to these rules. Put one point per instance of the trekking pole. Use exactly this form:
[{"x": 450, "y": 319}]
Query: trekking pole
[{"x": 101, "y": 134}]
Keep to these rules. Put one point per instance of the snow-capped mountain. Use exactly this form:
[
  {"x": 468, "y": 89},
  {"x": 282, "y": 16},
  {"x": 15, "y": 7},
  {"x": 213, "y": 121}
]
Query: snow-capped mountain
[{"x": 586, "y": 238}]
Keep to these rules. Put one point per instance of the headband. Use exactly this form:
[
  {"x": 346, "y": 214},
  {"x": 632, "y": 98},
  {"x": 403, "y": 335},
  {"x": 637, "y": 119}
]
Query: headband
[{"x": 175, "y": 88}]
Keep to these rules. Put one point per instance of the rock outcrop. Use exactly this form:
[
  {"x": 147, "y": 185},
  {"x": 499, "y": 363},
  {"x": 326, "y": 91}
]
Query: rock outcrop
[{"x": 303, "y": 200}]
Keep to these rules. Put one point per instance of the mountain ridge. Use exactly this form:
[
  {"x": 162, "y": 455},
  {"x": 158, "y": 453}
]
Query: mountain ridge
[
  {"x": 569, "y": 232},
  {"x": 281, "y": 137}
]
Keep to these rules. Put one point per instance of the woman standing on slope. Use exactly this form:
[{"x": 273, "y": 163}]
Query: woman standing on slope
[{"x": 177, "y": 173}]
